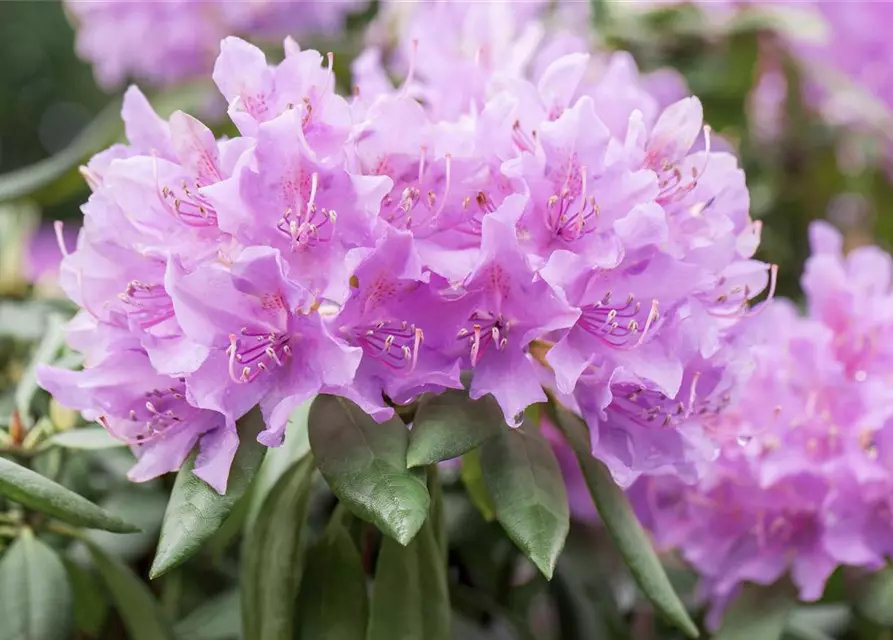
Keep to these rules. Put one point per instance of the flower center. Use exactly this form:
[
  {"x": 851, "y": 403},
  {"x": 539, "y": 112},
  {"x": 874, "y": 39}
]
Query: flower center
[
  {"x": 618, "y": 326},
  {"x": 525, "y": 143},
  {"x": 394, "y": 344},
  {"x": 671, "y": 182},
  {"x": 406, "y": 213},
  {"x": 308, "y": 225},
  {"x": 148, "y": 304},
  {"x": 647, "y": 408},
  {"x": 256, "y": 352},
  {"x": 162, "y": 411},
  {"x": 189, "y": 206},
  {"x": 486, "y": 328}
]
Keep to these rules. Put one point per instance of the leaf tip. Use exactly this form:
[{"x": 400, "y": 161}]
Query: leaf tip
[
  {"x": 160, "y": 566},
  {"x": 156, "y": 572},
  {"x": 546, "y": 567},
  {"x": 415, "y": 453},
  {"x": 123, "y": 526}
]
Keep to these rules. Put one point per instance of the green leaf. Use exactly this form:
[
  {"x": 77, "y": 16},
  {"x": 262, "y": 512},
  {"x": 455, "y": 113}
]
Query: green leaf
[
  {"x": 437, "y": 516},
  {"x": 758, "y": 612},
  {"x": 626, "y": 531},
  {"x": 272, "y": 560},
  {"x": 85, "y": 439},
  {"x": 52, "y": 341},
  {"x": 35, "y": 597},
  {"x": 364, "y": 463},
  {"x": 32, "y": 490},
  {"x": 279, "y": 459},
  {"x": 473, "y": 478},
  {"x": 819, "y": 621},
  {"x": 524, "y": 481},
  {"x": 135, "y": 603},
  {"x": 410, "y": 596},
  {"x": 451, "y": 424},
  {"x": 195, "y": 510},
  {"x": 877, "y": 596},
  {"x": 217, "y": 619},
  {"x": 91, "y": 609},
  {"x": 333, "y": 603}
]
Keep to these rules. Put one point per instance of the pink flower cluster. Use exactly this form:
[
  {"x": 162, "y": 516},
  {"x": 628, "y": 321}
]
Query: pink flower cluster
[
  {"x": 808, "y": 485},
  {"x": 165, "y": 41},
  {"x": 549, "y": 224}
]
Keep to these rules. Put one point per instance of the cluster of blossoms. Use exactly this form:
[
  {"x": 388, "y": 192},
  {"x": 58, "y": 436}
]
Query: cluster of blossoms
[
  {"x": 165, "y": 41},
  {"x": 807, "y": 487},
  {"x": 550, "y": 224}
]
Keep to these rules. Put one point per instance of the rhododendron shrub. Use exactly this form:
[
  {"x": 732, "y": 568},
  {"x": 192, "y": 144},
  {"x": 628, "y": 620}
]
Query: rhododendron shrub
[
  {"x": 805, "y": 488},
  {"x": 514, "y": 227},
  {"x": 375, "y": 248}
]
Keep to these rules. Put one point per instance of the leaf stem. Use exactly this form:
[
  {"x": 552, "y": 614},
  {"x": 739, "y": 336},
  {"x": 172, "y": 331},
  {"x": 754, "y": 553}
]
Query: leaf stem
[{"x": 66, "y": 530}]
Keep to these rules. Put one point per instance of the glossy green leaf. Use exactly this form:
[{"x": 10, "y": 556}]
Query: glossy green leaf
[
  {"x": 272, "y": 558},
  {"x": 195, "y": 510},
  {"x": 35, "y": 597},
  {"x": 451, "y": 424},
  {"x": 364, "y": 463},
  {"x": 333, "y": 602},
  {"x": 624, "y": 528},
  {"x": 410, "y": 596},
  {"x": 41, "y": 494},
  {"x": 217, "y": 619},
  {"x": 758, "y": 612},
  {"x": 524, "y": 481},
  {"x": 85, "y": 439},
  {"x": 134, "y": 602},
  {"x": 473, "y": 478}
]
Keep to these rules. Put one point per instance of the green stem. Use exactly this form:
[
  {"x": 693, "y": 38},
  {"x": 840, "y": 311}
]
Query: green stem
[
  {"x": 25, "y": 454},
  {"x": 66, "y": 530}
]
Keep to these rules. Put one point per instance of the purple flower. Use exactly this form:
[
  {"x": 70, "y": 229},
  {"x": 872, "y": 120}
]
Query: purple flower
[
  {"x": 527, "y": 228},
  {"x": 257, "y": 93},
  {"x": 165, "y": 42},
  {"x": 266, "y": 343},
  {"x": 148, "y": 411},
  {"x": 396, "y": 316},
  {"x": 499, "y": 320},
  {"x": 805, "y": 486},
  {"x": 40, "y": 263}
]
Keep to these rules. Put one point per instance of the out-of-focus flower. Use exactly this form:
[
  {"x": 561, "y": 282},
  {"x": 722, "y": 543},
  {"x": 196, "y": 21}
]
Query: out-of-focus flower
[
  {"x": 165, "y": 41},
  {"x": 40, "y": 263},
  {"x": 557, "y": 225},
  {"x": 842, "y": 49},
  {"x": 806, "y": 486}
]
